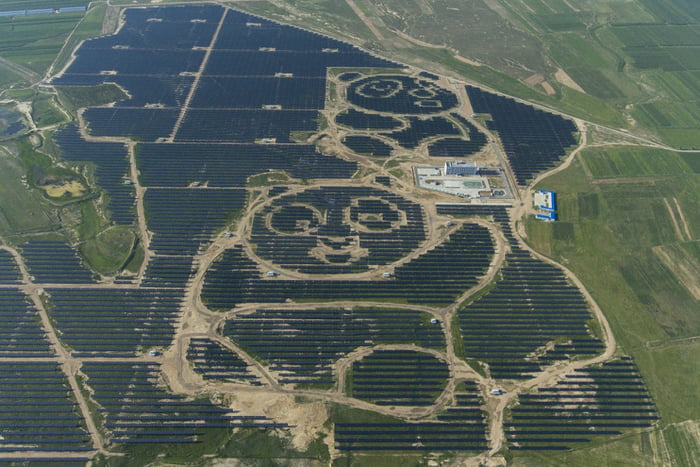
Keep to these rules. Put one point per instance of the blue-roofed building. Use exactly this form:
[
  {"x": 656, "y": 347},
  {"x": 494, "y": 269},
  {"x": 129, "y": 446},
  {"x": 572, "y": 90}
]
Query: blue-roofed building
[
  {"x": 464, "y": 168},
  {"x": 546, "y": 203}
]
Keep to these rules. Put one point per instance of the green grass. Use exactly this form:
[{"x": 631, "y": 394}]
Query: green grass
[
  {"x": 108, "y": 251},
  {"x": 611, "y": 251},
  {"x": 135, "y": 260},
  {"x": 73, "y": 98},
  {"x": 620, "y": 452},
  {"x": 9, "y": 117},
  {"x": 12, "y": 5},
  {"x": 633, "y": 162},
  {"x": 45, "y": 113},
  {"x": 22, "y": 211},
  {"x": 175, "y": 453},
  {"x": 33, "y": 41},
  {"x": 264, "y": 446}
]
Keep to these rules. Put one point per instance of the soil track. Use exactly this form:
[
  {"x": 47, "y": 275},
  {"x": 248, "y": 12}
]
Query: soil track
[{"x": 198, "y": 321}]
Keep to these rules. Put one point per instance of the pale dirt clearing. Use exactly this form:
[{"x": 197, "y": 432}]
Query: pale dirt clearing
[
  {"x": 535, "y": 79},
  {"x": 566, "y": 80},
  {"x": 681, "y": 216},
  {"x": 548, "y": 89},
  {"x": 365, "y": 20},
  {"x": 674, "y": 220}
]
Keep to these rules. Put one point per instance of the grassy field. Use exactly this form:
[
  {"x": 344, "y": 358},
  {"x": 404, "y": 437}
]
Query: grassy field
[
  {"x": 33, "y": 42},
  {"x": 108, "y": 251},
  {"x": 73, "y": 98},
  {"x": 622, "y": 210},
  {"x": 22, "y": 211}
]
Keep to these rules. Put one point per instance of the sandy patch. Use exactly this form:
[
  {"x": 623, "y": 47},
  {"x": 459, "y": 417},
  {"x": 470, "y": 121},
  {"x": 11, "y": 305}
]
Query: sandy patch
[
  {"x": 74, "y": 189},
  {"x": 548, "y": 88},
  {"x": 466, "y": 60},
  {"x": 535, "y": 79},
  {"x": 566, "y": 80},
  {"x": 306, "y": 419}
]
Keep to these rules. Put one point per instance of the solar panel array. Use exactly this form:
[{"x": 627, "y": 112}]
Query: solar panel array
[
  {"x": 111, "y": 170},
  {"x": 9, "y": 272},
  {"x": 302, "y": 345},
  {"x": 182, "y": 220},
  {"x": 420, "y": 129},
  {"x": 215, "y": 362},
  {"x": 533, "y": 140},
  {"x": 459, "y": 147},
  {"x": 37, "y": 412},
  {"x": 359, "y": 120},
  {"x": 136, "y": 410},
  {"x": 21, "y": 331},
  {"x": 531, "y": 305},
  {"x": 55, "y": 262},
  {"x": 400, "y": 95},
  {"x": 459, "y": 428},
  {"x": 258, "y": 94},
  {"x": 168, "y": 271},
  {"x": 398, "y": 377},
  {"x": 436, "y": 277},
  {"x": 591, "y": 402},
  {"x": 386, "y": 225},
  {"x": 367, "y": 145},
  {"x": 230, "y": 165},
  {"x": 114, "y": 322}
]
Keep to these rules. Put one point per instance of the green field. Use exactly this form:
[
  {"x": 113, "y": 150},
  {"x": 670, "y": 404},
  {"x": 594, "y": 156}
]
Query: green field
[
  {"x": 619, "y": 208},
  {"x": 22, "y": 211},
  {"x": 33, "y": 41}
]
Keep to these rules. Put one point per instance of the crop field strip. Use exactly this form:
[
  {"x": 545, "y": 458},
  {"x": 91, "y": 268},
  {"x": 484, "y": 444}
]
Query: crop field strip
[
  {"x": 398, "y": 377},
  {"x": 215, "y": 362},
  {"x": 435, "y": 277},
  {"x": 532, "y": 139},
  {"x": 114, "y": 322},
  {"x": 303, "y": 345},
  {"x": 605, "y": 400},
  {"x": 111, "y": 170},
  {"x": 136, "y": 410},
  {"x": 37, "y": 412},
  {"x": 55, "y": 262},
  {"x": 461, "y": 427}
]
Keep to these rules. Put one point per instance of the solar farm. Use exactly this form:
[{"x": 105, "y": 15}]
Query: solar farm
[{"x": 284, "y": 261}]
